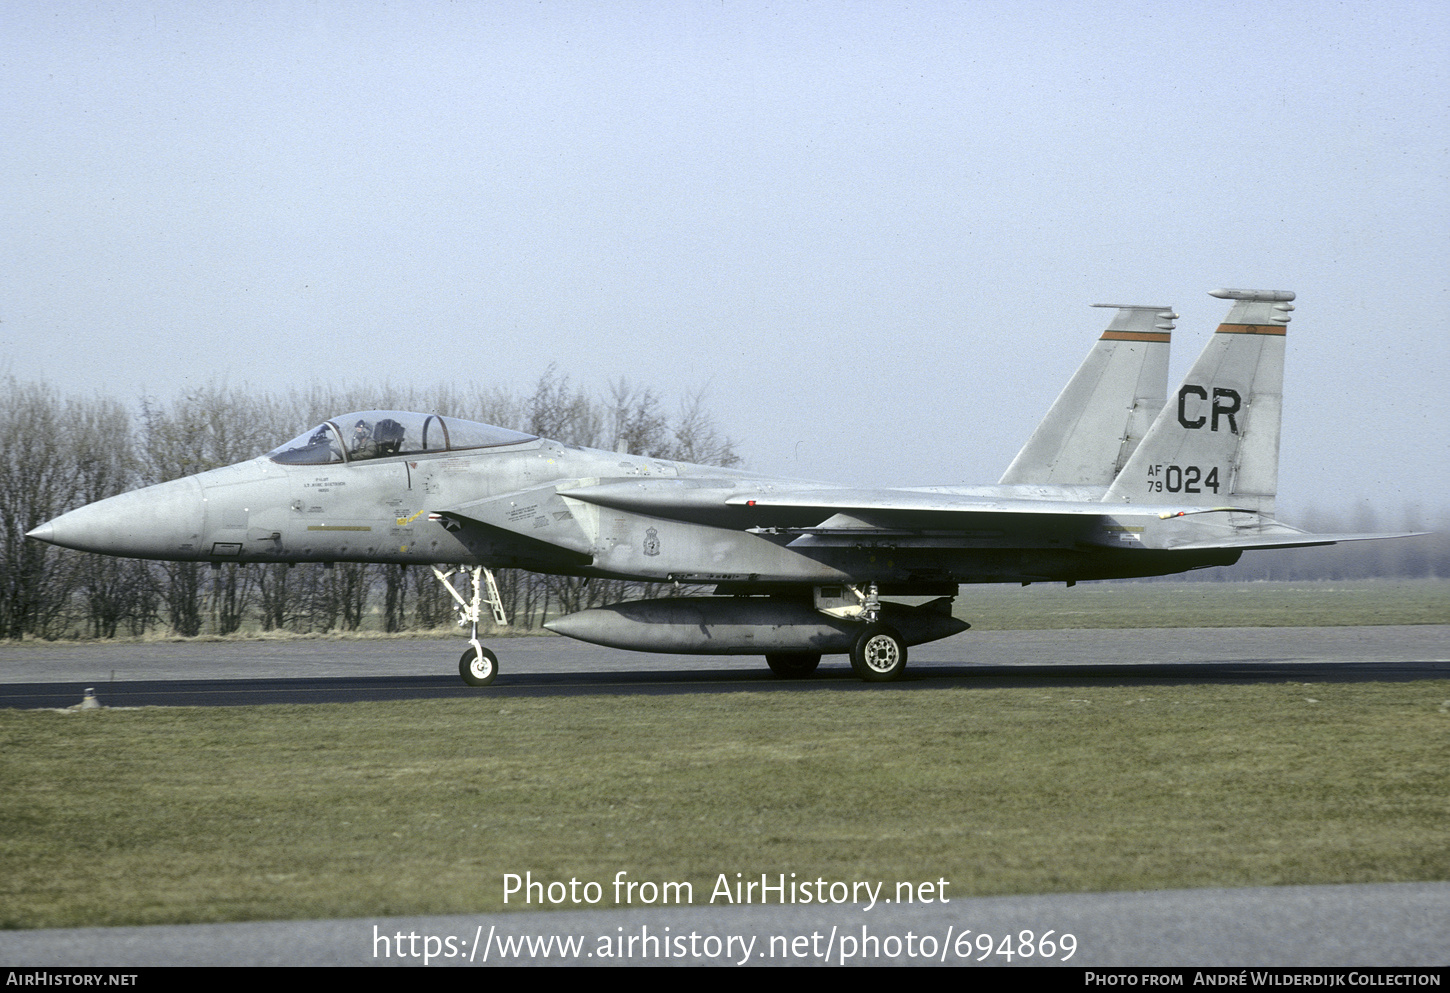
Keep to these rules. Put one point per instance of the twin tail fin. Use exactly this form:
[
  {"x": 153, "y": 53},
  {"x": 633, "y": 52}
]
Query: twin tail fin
[
  {"x": 1106, "y": 408},
  {"x": 1215, "y": 443}
]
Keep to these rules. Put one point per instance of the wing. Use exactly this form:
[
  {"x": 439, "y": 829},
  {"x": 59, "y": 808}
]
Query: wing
[{"x": 949, "y": 518}]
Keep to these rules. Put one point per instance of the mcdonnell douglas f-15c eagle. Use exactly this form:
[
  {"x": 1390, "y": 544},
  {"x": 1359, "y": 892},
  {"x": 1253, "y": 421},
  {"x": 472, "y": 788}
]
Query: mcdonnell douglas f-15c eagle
[{"x": 1118, "y": 481}]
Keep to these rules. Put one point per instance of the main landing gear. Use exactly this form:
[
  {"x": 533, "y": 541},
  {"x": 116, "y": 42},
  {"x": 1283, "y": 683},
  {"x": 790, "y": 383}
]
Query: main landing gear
[
  {"x": 879, "y": 654},
  {"x": 479, "y": 665}
]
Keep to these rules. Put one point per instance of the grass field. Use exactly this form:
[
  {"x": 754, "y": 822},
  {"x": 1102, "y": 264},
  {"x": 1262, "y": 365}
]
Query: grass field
[
  {"x": 190, "y": 814},
  {"x": 1206, "y": 605}
]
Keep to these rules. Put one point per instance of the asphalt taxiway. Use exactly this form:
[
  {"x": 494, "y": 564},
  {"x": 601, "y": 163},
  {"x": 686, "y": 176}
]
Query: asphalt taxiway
[
  {"x": 219, "y": 673},
  {"x": 1401, "y": 925}
]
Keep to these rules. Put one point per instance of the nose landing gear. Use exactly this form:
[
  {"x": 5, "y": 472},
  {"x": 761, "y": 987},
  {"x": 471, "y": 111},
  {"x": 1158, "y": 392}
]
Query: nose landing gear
[{"x": 479, "y": 665}]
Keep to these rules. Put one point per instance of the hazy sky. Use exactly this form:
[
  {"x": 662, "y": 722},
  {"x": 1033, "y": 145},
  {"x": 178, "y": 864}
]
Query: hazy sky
[{"x": 871, "y": 230}]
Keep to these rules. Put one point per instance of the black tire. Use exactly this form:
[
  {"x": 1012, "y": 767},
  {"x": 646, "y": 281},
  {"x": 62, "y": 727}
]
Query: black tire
[
  {"x": 793, "y": 665},
  {"x": 478, "y": 668},
  {"x": 879, "y": 654}
]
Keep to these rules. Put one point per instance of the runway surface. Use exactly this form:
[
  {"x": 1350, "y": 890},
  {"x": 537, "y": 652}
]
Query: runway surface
[
  {"x": 220, "y": 673},
  {"x": 1389, "y": 925}
]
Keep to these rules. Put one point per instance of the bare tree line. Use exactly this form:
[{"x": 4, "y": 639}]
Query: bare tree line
[{"x": 64, "y": 452}]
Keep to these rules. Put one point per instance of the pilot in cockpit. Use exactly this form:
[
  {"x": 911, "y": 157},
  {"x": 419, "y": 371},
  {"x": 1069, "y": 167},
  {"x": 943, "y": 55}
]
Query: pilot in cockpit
[
  {"x": 362, "y": 441},
  {"x": 371, "y": 441}
]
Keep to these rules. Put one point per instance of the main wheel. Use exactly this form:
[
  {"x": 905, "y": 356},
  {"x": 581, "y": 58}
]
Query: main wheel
[
  {"x": 793, "y": 665},
  {"x": 478, "y": 667},
  {"x": 879, "y": 654}
]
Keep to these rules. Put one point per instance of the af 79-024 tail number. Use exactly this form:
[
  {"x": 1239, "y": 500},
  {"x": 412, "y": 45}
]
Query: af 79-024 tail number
[{"x": 1182, "y": 479}]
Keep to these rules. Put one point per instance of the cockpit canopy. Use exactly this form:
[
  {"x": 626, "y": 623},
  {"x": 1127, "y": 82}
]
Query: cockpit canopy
[{"x": 376, "y": 434}]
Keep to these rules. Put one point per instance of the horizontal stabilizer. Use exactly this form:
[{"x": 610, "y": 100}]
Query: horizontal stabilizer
[{"x": 1303, "y": 539}]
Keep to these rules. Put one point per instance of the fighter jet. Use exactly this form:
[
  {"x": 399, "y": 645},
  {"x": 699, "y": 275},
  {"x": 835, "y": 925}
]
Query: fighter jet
[{"x": 1119, "y": 480}]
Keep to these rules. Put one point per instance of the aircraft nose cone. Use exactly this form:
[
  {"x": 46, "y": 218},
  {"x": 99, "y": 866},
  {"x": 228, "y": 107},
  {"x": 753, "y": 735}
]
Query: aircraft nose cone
[{"x": 162, "y": 521}]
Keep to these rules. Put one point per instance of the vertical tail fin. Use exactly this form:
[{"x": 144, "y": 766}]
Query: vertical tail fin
[
  {"x": 1216, "y": 442},
  {"x": 1106, "y": 408}
]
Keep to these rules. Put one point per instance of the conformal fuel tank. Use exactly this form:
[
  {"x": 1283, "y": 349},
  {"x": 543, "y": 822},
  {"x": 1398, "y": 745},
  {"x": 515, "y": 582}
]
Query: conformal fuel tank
[{"x": 723, "y": 625}]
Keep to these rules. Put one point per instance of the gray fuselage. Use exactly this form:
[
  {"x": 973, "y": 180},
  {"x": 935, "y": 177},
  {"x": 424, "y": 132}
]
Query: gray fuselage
[{"x": 510, "y": 506}]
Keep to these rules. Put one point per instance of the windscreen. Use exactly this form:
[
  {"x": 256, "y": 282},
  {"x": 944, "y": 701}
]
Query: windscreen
[{"x": 376, "y": 434}]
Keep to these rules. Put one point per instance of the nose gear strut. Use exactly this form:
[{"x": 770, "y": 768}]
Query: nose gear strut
[{"x": 478, "y": 666}]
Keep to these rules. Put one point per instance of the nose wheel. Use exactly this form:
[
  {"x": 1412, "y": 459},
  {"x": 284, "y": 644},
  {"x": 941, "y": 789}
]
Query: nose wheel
[{"x": 478, "y": 666}]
